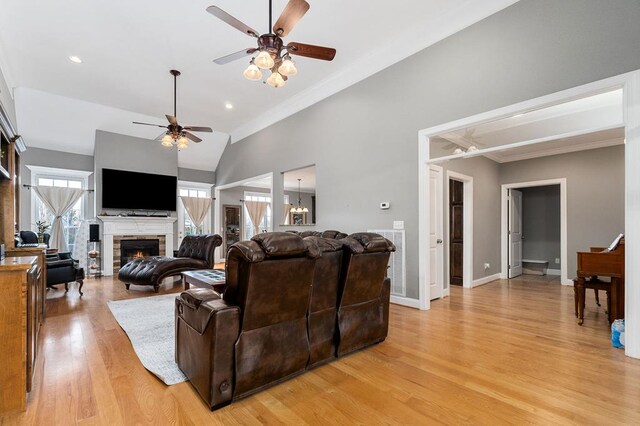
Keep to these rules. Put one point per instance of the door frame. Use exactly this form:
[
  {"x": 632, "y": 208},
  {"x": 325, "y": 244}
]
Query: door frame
[
  {"x": 630, "y": 84},
  {"x": 218, "y": 207},
  {"x": 504, "y": 224},
  {"x": 467, "y": 229}
]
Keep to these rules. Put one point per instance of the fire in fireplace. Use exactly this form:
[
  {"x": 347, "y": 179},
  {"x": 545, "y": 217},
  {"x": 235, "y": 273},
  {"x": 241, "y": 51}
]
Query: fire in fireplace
[{"x": 134, "y": 249}]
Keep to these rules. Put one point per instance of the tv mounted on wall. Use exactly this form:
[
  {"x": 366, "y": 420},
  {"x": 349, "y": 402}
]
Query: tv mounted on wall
[{"x": 138, "y": 191}]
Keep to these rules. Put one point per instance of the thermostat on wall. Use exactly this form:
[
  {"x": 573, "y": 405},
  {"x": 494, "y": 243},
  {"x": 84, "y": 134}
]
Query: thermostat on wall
[{"x": 385, "y": 205}]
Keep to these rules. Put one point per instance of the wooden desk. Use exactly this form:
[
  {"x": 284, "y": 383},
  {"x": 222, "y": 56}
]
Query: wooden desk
[
  {"x": 18, "y": 330},
  {"x": 205, "y": 278}
]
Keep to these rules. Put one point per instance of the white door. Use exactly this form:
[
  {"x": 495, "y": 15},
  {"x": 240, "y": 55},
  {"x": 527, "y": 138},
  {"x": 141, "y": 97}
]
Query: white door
[
  {"x": 515, "y": 233},
  {"x": 435, "y": 233}
]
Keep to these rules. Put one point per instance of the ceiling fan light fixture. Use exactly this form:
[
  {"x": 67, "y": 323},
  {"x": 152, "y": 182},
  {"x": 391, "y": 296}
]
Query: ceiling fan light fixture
[
  {"x": 183, "y": 142},
  {"x": 264, "y": 60},
  {"x": 167, "y": 141},
  {"x": 275, "y": 80},
  {"x": 288, "y": 67},
  {"x": 252, "y": 72}
]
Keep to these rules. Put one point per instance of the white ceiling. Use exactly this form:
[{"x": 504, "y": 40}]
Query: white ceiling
[
  {"x": 128, "y": 47},
  {"x": 307, "y": 178},
  {"x": 587, "y": 123}
]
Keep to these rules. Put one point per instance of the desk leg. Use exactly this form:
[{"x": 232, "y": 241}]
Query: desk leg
[
  {"x": 185, "y": 283},
  {"x": 579, "y": 288}
]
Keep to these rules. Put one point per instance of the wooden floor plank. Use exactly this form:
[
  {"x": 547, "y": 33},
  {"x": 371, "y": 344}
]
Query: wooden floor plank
[{"x": 509, "y": 352}]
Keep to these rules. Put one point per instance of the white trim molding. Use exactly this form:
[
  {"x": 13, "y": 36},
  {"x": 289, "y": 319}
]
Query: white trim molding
[
  {"x": 504, "y": 224},
  {"x": 630, "y": 83},
  {"x": 485, "y": 280},
  {"x": 406, "y": 301}
]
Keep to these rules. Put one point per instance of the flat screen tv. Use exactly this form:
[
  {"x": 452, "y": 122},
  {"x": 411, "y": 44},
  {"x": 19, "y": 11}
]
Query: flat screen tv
[{"x": 138, "y": 191}]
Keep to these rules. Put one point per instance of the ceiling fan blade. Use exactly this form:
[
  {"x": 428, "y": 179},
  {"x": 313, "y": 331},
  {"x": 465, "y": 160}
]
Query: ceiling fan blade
[
  {"x": 172, "y": 119},
  {"x": 199, "y": 129},
  {"x": 293, "y": 11},
  {"x": 148, "y": 124},
  {"x": 234, "y": 56},
  {"x": 193, "y": 137},
  {"x": 235, "y": 23},
  {"x": 311, "y": 51}
]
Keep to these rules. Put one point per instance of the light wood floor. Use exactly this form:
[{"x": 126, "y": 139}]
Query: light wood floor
[{"x": 506, "y": 352}]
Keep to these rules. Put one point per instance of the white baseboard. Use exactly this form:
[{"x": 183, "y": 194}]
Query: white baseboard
[
  {"x": 405, "y": 301},
  {"x": 485, "y": 280},
  {"x": 567, "y": 282},
  {"x": 553, "y": 272}
]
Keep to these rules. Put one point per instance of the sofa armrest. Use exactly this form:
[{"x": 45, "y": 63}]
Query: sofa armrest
[
  {"x": 52, "y": 264},
  {"x": 207, "y": 328}
]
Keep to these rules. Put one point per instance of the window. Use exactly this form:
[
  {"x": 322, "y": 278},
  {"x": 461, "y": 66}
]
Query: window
[
  {"x": 188, "y": 227},
  {"x": 265, "y": 224},
  {"x": 71, "y": 220}
]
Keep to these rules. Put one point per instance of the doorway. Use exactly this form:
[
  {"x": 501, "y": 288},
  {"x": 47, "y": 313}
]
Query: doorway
[
  {"x": 527, "y": 246},
  {"x": 458, "y": 220},
  {"x": 456, "y": 231}
]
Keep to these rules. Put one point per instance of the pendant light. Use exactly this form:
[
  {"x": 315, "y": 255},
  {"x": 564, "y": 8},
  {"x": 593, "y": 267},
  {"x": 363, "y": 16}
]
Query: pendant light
[{"x": 300, "y": 208}]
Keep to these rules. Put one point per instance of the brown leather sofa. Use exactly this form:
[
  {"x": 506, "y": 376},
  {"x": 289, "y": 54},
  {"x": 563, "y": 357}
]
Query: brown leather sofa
[
  {"x": 281, "y": 312},
  {"x": 195, "y": 252}
]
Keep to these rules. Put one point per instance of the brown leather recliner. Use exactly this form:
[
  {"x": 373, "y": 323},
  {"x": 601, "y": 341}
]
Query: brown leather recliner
[
  {"x": 257, "y": 335},
  {"x": 195, "y": 252},
  {"x": 324, "y": 300},
  {"x": 332, "y": 234},
  {"x": 364, "y": 292}
]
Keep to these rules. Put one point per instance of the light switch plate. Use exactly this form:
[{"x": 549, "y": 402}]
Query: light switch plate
[{"x": 398, "y": 224}]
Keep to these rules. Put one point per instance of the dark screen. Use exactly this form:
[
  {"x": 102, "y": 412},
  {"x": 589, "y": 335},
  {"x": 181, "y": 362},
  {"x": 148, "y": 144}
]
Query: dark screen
[{"x": 138, "y": 191}]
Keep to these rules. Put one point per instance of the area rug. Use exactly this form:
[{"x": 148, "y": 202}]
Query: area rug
[{"x": 150, "y": 325}]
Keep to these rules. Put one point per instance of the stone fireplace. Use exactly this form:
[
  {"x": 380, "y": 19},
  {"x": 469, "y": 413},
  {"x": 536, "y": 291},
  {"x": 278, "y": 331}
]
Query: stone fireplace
[{"x": 134, "y": 230}]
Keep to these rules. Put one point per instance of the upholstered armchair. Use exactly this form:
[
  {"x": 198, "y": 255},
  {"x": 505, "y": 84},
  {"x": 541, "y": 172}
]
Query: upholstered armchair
[{"x": 62, "y": 269}]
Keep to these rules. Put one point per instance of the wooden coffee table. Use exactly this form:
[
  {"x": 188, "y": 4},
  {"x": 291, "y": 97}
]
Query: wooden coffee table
[{"x": 205, "y": 278}]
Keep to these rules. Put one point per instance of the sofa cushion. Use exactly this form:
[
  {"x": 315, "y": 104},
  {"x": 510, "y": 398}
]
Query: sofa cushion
[{"x": 284, "y": 244}]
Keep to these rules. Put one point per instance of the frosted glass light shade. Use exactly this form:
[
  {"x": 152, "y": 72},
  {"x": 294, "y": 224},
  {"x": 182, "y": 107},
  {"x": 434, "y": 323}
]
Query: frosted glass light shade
[
  {"x": 275, "y": 80},
  {"x": 183, "y": 142},
  {"x": 287, "y": 68},
  {"x": 264, "y": 60},
  {"x": 252, "y": 73},
  {"x": 167, "y": 141}
]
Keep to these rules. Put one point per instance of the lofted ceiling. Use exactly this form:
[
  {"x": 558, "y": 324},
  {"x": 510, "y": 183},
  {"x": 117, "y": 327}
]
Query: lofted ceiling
[{"x": 128, "y": 47}]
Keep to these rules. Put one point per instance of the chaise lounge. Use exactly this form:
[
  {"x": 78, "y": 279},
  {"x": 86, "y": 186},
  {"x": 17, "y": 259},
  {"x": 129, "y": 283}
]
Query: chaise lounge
[{"x": 195, "y": 252}]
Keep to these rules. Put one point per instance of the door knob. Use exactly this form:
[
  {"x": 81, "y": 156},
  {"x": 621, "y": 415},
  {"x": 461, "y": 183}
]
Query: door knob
[{"x": 439, "y": 241}]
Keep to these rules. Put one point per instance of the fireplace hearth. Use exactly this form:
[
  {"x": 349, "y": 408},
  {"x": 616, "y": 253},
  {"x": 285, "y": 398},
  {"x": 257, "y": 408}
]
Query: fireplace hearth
[{"x": 132, "y": 249}]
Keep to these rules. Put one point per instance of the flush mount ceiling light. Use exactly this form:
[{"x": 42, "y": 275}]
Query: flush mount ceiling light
[
  {"x": 75, "y": 59},
  {"x": 177, "y": 135},
  {"x": 300, "y": 208},
  {"x": 273, "y": 54}
]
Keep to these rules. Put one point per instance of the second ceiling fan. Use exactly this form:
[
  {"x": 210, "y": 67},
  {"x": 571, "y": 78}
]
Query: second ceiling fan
[{"x": 273, "y": 54}]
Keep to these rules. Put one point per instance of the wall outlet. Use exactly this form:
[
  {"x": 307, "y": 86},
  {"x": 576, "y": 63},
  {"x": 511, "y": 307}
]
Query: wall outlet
[
  {"x": 487, "y": 266},
  {"x": 398, "y": 224},
  {"x": 557, "y": 260}
]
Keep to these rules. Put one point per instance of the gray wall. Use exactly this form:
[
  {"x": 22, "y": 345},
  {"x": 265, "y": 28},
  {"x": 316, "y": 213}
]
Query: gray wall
[
  {"x": 486, "y": 217},
  {"x": 56, "y": 159},
  {"x": 595, "y": 194},
  {"x": 122, "y": 152},
  {"x": 541, "y": 224},
  {"x": 363, "y": 139}
]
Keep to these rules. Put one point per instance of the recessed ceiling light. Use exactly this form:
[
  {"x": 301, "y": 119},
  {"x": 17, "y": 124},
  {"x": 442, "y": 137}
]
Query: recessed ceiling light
[
  {"x": 228, "y": 105},
  {"x": 75, "y": 59}
]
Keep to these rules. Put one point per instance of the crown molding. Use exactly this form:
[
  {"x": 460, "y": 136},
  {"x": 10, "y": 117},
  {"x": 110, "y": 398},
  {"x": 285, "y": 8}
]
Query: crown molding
[{"x": 413, "y": 40}]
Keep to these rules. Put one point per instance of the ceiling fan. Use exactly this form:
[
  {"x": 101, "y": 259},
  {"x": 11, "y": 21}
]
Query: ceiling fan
[
  {"x": 273, "y": 54},
  {"x": 176, "y": 134}
]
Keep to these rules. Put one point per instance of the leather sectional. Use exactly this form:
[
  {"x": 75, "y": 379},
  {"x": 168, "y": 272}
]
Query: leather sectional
[{"x": 290, "y": 304}]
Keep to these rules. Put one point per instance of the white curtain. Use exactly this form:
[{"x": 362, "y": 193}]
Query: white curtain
[
  {"x": 286, "y": 208},
  {"x": 80, "y": 247},
  {"x": 257, "y": 210},
  {"x": 58, "y": 201},
  {"x": 197, "y": 208}
]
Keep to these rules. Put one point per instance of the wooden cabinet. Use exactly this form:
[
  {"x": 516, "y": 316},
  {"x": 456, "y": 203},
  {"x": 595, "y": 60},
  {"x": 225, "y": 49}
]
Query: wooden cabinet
[{"x": 19, "y": 327}]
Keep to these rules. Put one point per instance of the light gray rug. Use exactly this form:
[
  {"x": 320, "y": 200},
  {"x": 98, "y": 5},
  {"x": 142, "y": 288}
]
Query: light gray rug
[{"x": 150, "y": 325}]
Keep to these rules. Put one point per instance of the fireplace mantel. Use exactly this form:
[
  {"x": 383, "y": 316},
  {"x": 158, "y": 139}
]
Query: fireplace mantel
[{"x": 133, "y": 225}]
